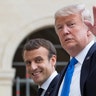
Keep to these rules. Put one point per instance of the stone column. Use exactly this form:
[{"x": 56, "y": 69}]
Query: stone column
[{"x": 6, "y": 81}]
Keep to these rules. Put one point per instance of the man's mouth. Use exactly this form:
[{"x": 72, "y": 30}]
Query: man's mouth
[
  {"x": 68, "y": 39},
  {"x": 36, "y": 73}
]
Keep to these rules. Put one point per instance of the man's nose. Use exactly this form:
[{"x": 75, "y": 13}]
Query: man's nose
[
  {"x": 66, "y": 30},
  {"x": 33, "y": 66}
]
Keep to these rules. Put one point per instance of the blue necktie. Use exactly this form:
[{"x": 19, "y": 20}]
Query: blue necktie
[{"x": 68, "y": 77}]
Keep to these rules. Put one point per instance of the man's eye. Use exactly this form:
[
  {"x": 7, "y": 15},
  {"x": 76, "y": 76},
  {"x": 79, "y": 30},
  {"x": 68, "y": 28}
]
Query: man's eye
[
  {"x": 59, "y": 27},
  {"x": 71, "y": 24},
  {"x": 28, "y": 63},
  {"x": 38, "y": 60}
]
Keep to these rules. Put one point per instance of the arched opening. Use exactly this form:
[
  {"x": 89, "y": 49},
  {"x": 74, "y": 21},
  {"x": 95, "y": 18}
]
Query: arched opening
[{"x": 49, "y": 34}]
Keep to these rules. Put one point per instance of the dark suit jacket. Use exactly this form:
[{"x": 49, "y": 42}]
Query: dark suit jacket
[
  {"x": 52, "y": 86},
  {"x": 88, "y": 75}
]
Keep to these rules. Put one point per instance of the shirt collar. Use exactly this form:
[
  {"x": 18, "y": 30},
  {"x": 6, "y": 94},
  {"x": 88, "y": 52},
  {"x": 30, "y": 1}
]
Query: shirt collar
[
  {"x": 45, "y": 85},
  {"x": 81, "y": 56}
]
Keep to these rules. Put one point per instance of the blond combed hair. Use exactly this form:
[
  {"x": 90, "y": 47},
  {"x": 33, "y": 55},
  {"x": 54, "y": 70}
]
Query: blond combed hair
[{"x": 75, "y": 9}]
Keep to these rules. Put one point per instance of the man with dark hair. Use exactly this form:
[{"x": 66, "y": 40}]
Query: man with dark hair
[{"x": 40, "y": 59}]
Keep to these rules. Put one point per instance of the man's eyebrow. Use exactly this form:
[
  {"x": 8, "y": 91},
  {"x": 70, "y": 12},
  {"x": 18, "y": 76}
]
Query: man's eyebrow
[{"x": 37, "y": 57}]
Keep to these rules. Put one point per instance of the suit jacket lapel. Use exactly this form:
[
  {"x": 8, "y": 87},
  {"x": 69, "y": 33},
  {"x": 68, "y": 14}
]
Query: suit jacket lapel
[
  {"x": 62, "y": 73},
  {"x": 85, "y": 68},
  {"x": 52, "y": 86}
]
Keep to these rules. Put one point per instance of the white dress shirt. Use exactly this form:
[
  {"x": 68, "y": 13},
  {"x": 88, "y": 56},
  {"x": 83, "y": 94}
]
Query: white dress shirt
[
  {"x": 75, "y": 83},
  {"x": 46, "y": 84}
]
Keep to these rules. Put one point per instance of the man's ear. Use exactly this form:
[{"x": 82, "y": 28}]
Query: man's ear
[{"x": 53, "y": 60}]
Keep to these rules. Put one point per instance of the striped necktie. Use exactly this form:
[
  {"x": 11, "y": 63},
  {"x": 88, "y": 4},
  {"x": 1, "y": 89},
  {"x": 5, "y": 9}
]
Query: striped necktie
[{"x": 68, "y": 76}]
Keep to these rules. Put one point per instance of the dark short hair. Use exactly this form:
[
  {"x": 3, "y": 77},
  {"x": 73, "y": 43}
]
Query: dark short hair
[{"x": 40, "y": 42}]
